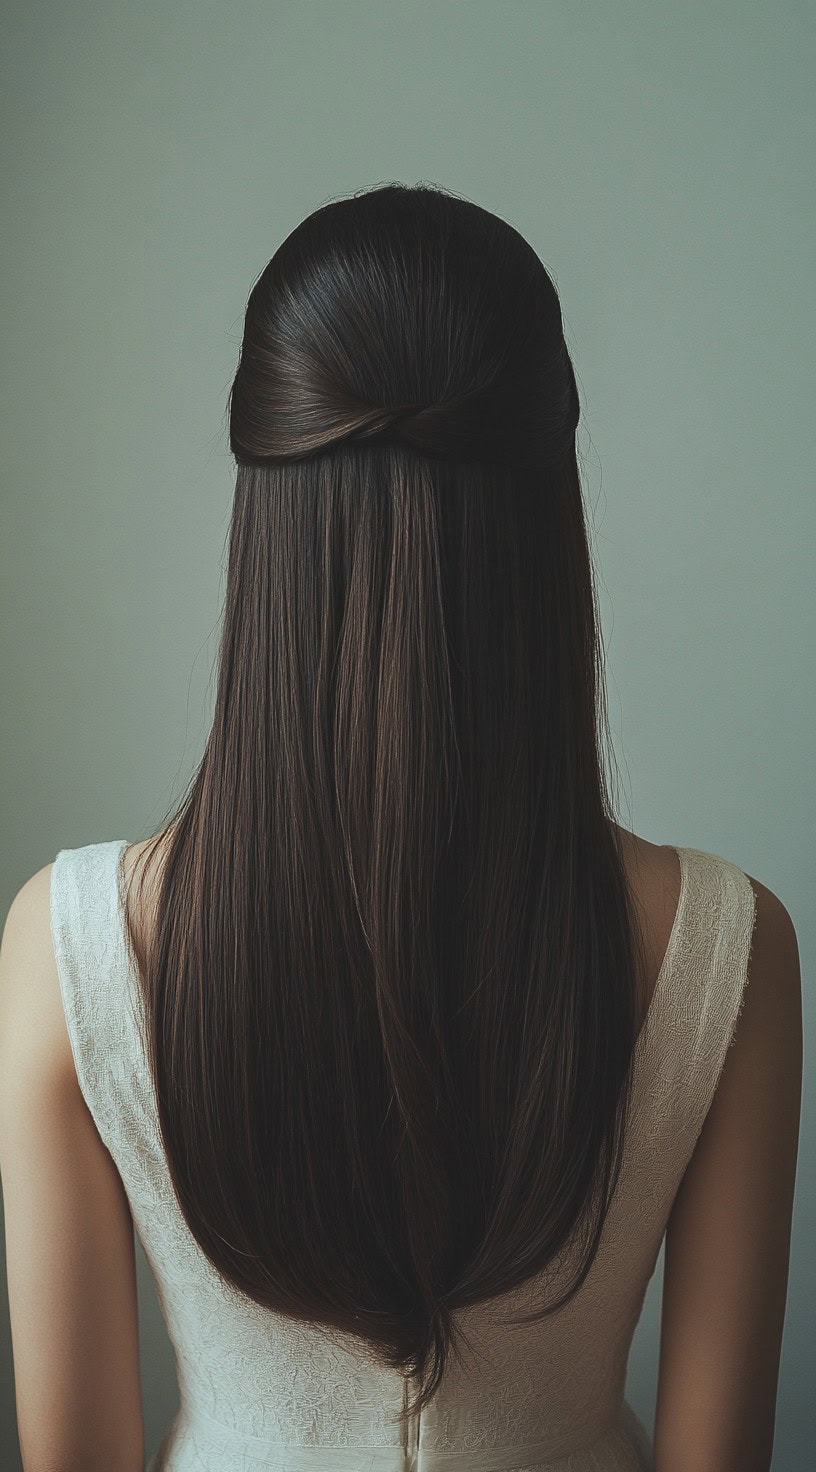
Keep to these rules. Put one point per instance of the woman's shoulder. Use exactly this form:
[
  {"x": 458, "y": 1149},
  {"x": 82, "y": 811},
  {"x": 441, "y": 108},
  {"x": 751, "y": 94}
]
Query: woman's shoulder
[
  {"x": 728, "y": 1236},
  {"x": 654, "y": 879},
  {"x": 142, "y": 866}
]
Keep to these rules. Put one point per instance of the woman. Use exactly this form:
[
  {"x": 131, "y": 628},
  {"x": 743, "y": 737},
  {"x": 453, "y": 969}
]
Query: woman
[{"x": 400, "y": 1055}]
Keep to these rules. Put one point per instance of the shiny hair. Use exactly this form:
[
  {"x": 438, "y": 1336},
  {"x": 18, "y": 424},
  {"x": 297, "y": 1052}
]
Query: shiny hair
[{"x": 390, "y": 990}]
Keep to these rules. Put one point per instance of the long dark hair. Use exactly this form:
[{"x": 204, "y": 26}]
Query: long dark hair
[{"x": 390, "y": 991}]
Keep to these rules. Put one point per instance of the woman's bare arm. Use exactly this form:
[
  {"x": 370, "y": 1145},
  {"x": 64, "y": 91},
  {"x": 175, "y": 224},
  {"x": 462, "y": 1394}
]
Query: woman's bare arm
[
  {"x": 69, "y": 1233},
  {"x": 728, "y": 1239}
]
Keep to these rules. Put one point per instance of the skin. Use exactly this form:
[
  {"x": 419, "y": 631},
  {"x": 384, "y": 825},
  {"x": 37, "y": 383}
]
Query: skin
[
  {"x": 728, "y": 1239},
  {"x": 70, "y": 1241}
]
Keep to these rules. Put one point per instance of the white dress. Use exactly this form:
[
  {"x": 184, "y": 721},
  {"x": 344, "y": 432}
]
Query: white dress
[{"x": 257, "y": 1391}]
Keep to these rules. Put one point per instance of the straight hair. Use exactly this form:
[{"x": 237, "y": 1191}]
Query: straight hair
[{"x": 390, "y": 989}]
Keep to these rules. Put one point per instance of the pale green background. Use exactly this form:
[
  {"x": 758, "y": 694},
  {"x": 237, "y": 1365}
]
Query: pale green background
[{"x": 659, "y": 157}]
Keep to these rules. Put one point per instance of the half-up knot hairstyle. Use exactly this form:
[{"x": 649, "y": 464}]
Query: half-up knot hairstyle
[
  {"x": 392, "y": 315},
  {"x": 390, "y": 975}
]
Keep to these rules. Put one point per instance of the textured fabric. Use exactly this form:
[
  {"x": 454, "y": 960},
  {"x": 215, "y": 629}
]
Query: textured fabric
[{"x": 258, "y": 1391}]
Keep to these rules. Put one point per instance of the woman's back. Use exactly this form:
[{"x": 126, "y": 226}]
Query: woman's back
[
  {"x": 652, "y": 872},
  {"x": 258, "y": 1390}
]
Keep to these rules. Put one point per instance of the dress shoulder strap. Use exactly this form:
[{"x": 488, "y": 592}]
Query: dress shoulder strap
[
  {"x": 93, "y": 969},
  {"x": 698, "y": 999}
]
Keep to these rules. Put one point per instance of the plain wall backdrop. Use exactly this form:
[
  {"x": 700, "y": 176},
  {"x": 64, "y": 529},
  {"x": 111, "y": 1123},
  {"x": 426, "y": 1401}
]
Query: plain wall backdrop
[{"x": 659, "y": 157}]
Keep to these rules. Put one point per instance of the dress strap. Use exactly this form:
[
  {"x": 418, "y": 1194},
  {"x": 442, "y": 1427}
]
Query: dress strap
[
  {"x": 701, "y": 996},
  {"x": 86, "y": 935}
]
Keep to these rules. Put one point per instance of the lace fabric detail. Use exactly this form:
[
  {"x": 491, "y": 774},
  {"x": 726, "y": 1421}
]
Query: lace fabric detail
[{"x": 258, "y": 1390}]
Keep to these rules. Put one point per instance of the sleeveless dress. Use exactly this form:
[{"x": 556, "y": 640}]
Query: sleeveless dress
[{"x": 259, "y": 1391}]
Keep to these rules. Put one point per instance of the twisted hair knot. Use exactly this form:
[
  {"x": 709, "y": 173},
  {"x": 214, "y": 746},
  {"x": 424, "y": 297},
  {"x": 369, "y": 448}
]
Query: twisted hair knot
[{"x": 473, "y": 426}]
